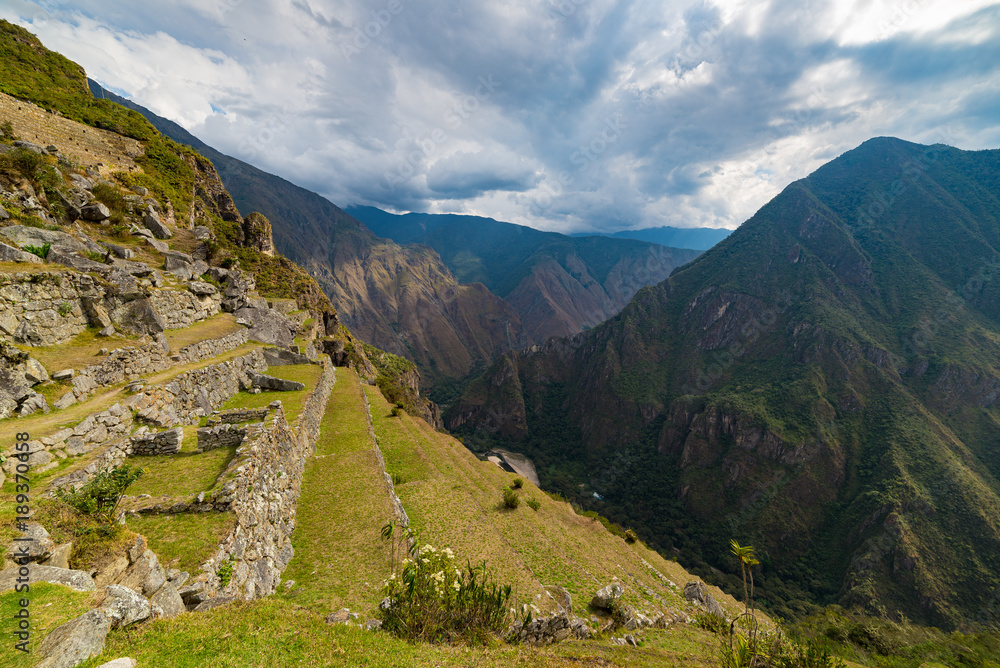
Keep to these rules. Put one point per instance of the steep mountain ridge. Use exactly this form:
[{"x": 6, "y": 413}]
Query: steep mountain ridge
[
  {"x": 821, "y": 383},
  {"x": 403, "y": 300},
  {"x": 559, "y": 285}
]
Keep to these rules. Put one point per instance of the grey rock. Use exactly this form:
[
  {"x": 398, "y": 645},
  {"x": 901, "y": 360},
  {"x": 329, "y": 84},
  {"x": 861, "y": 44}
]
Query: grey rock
[
  {"x": 60, "y": 556},
  {"x": 139, "y": 269},
  {"x": 3, "y": 214},
  {"x": 220, "y": 274},
  {"x": 22, "y": 235},
  {"x": 65, "y": 401},
  {"x": 33, "y": 545},
  {"x": 34, "y": 372},
  {"x": 119, "y": 251},
  {"x": 174, "y": 260},
  {"x": 78, "y": 580},
  {"x": 68, "y": 257},
  {"x": 267, "y": 326},
  {"x": 125, "y": 285},
  {"x": 124, "y": 662},
  {"x": 124, "y": 606},
  {"x": 697, "y": 592},
  {"x": 266, "y": 382},
  {"x": 75, "y": 641},
  {"x": 29, "y": 146},
  {"x": 605, "y": 598},
  {"x": 32, "y": 405},
  {"x": 81, "y": 181},
  {"x": 107, "y": 331},
  {"x": 238, "y": 287},
  {"x": 202, "y": 233},
  {"x": 160, "y": 246},
  {"x": 140, "y": 191},
  {"x": 95, "y": 212},
  {"x": 170, "y": 602},
  {"x": 63, "y": 374},
  {"x": 193, "y": 593},
  {"x": 201, "y": 288},
  {"x": 215, "y": 602},
  {"x": 283, "y": 357},
  {"x": 152, "y": 222},
  {"x": 11, "y": 254}
]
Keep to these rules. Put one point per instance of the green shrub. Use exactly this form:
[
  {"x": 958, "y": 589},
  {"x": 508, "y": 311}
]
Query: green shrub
[
  {"x": 510, "y": 498},
  {"x": 7, "y": 131},
  {"x": 42, "y": 252},
  {"x": 119, "y": 231},
  {"x": 396, "y": 410},
  {"x": 430, "y": 598},
  {"x": 110, "y": 196},
  {"x": 518, "y": 483},
  {"x": 225, "y": 571},
  {"x": 534, "y": 504},
  {"x": 65, "y": 309},
  {"x": 630, "y": 536},
  {"x": 101, "y": 495}
]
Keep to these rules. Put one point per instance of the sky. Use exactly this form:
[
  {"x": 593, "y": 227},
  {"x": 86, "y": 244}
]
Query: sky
[{"x": 565, "y": 115}]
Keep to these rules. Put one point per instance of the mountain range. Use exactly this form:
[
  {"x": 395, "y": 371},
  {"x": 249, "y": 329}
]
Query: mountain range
[
  {"x": 696, "y": 238},
  {"x": 499, "y": 287},
  {"x": 824, "y": 383}
]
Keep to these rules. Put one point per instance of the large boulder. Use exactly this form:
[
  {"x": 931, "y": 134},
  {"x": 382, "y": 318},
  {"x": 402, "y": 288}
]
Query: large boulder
[
  {"x": 11, "y": 254},
  {"x": 696, "y": 592},
  {"x": 68, "y": 257},
  {"x": 283, "y": 357},
  {"x": 95, "y": 212},
  {"x": 169, "y": 601},
  {"x": 151, "y": 220},
  {"x": 22, "y": 235},
  {"x": 124, "y": 606},
  {"x": 75, "y": 641},
  {"x": 605, "y": 598},
  {"x": 138, "y": 316},
  {"x": 257, "y": 233},
  {"x": 267, "y": 326},
  {"x": 33, "y": 545},
  {"x": 78, "y": 580},
  {"x": 266, "y": 382},
  {"x": 236, "y": 294}
]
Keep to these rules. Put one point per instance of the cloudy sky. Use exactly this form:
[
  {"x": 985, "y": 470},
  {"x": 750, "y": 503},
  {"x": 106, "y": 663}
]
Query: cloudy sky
[{"x": 566, "y": 115}]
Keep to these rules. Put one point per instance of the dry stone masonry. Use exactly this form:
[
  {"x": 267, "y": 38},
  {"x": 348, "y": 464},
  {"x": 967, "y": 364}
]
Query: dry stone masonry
[{"x": 265, "y": 486}]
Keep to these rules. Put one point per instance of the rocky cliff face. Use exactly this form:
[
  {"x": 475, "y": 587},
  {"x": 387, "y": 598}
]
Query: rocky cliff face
[{"x": 822, "y": 383}]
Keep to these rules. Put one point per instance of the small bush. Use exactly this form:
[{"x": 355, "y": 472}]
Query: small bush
[
  {"x": 119, "y": 231},
  {"x": 534, "y": 504},
  {"x": 65, "y": 309},
  {"x": 225, "y": 571},
  {"x": 430, "y": 598},
  {"x": 518, "y": 483},
  {"x": 42, "y": 251},
  {"x": 398, "y": 479},
  {"x": 110, "y": 196},
  {"x": 7, "y": 131},
  {"x": 396, "y": 410},
  {"x": 510, "y": 498},
  {"x": 101, "y": 495},
  {"x": 97, "y": 257},
  {"x": 630, "y": 536}
]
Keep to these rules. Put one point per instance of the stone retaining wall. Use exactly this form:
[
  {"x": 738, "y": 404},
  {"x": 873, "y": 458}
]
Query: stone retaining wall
[
  {"x": 180, "y": 308},
  {"x": 397, "y": 503},
  {"x": 135, "y": 362},
  {"x": 42, "y": 309},
  {"x": 266, "y": 484},
  {"x": 157, "y": 443},
  {"x": 90, "y": 147},
  {"x": 194, "y": 394},
  {"x": 220, "y": 436},
  {"x": 238, "y": 416}
]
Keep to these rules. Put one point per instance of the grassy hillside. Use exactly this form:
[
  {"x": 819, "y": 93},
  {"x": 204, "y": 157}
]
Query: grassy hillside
[{"x": 822, "y": 383}]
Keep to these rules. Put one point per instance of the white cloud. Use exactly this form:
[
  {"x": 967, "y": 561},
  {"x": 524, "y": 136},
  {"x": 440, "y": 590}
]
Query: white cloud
[{"x": 718, "y": 105}]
